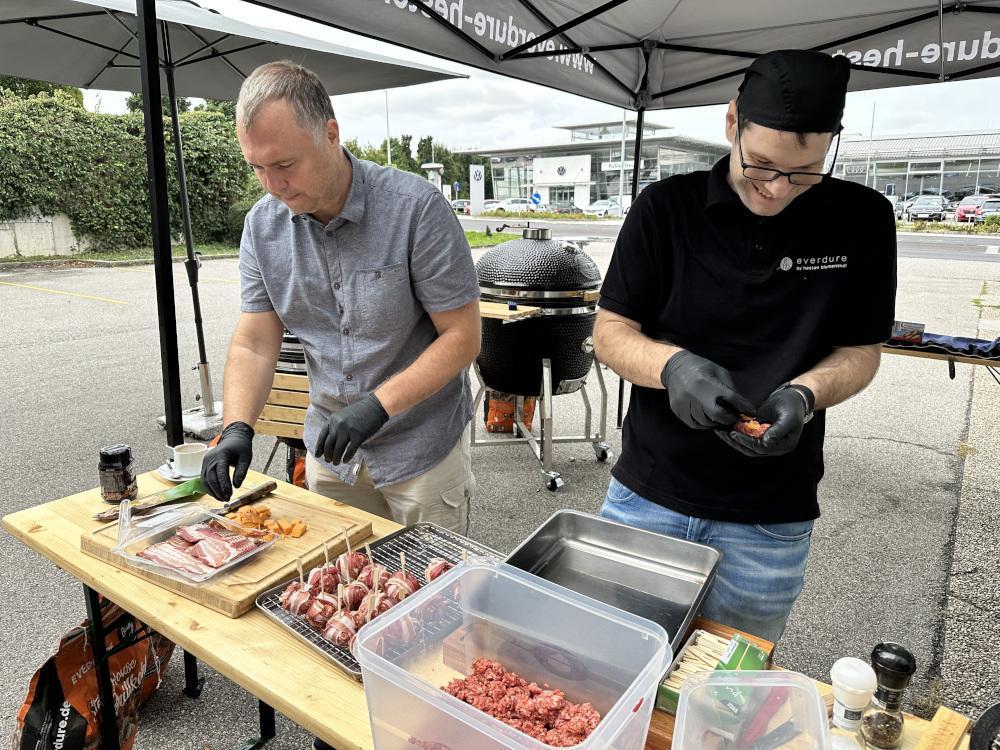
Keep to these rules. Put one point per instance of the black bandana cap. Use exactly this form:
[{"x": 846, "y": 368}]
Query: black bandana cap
[{"x": 795, "y": 90}]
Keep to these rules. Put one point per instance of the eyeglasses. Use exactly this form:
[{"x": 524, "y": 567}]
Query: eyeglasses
[{"x": 763, "y": 174}]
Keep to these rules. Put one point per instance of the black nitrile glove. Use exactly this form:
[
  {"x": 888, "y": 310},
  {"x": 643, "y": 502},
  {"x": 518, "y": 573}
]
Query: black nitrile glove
[
  {"x": 348, "y": 428},
  {"x": 787, "y": 410},
  {"x": 235, "y": 448},
  {"x": 702, "y": 393}
]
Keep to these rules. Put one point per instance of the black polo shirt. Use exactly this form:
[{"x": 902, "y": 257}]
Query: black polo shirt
[{"x": 765, "y": 297}]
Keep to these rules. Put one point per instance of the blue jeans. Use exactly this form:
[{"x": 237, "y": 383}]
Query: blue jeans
[{"x": 762, "y": 568}]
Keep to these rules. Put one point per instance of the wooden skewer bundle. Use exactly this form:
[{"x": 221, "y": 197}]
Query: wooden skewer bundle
[{"x": 703, "y": 652}]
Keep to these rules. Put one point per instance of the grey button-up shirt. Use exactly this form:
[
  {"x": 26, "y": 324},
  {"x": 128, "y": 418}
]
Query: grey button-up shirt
[{"x": 356, "y": 293}]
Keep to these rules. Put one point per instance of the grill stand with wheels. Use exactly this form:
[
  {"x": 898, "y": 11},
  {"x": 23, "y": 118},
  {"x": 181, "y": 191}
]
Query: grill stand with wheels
[{"x": 542, "y": 447}]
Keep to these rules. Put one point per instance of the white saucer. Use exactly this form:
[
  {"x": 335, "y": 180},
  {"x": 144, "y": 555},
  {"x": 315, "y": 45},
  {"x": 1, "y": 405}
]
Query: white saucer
[{"x": 164, "y": 471}]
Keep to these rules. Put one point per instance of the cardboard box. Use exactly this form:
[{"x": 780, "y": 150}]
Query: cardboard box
[
  {"x": 903, "y": 331},
  {"x": 739, "y": 654}
]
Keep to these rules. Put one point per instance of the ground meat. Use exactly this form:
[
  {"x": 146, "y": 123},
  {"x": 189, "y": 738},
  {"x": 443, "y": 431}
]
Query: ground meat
[
  {"x": 752, "y": 428},
  {"x": 543, "y": 714}
]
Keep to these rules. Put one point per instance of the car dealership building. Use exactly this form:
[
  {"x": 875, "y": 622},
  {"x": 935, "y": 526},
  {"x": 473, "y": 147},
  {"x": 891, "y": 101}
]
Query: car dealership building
[
  {"x": 589, "y": 167},
  {"x": 949, "y": 164}
]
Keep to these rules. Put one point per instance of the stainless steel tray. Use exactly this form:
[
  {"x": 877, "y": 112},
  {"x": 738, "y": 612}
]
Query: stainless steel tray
[
  {"x": 420, "y": 542},
  {"x": 661, "y": 578}
]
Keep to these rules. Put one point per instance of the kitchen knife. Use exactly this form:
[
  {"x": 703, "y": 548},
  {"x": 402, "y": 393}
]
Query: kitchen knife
[
  {"x": 248, "y": 497},
  {"x": 777, "y": 738},
  {"x": 758, "y": 724},
  {"x": 147, "y": 504}
]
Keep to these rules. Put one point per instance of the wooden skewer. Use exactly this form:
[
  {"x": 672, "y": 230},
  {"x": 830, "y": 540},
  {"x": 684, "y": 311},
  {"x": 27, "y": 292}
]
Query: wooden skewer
[
  {"x": 347, "y": 538},
  {"x": 465, "y": 554},
  {"x": 402, "y": 563},
  {"x": 368, "y": 549},
  {"x": 326, "y": 553},
  {"x": 302, "y": 579},
  {"x": 340, "y": 598}
]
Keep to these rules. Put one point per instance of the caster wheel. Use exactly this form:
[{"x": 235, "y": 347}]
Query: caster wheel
[
  {"x": 551, "y": 485},
  {"x": 602, "y": 451},
  {"x": 602, "y": 455}
]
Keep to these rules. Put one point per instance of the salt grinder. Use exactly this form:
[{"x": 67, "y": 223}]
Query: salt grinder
[{"x": 882, "y": 721}]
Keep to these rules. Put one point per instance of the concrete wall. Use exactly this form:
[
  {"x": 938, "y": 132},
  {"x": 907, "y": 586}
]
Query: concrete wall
[{"x": 39, "y": 235}]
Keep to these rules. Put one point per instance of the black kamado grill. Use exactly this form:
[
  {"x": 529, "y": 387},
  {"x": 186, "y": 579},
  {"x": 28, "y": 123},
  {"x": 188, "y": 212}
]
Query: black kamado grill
[{"x": 549, "y": 352}]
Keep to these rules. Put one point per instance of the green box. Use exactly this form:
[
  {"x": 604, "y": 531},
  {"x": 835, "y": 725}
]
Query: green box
[{"x": 739, "y": 654}]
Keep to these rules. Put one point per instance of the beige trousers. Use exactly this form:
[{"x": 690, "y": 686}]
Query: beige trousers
[{"x": 441, "y": 495}]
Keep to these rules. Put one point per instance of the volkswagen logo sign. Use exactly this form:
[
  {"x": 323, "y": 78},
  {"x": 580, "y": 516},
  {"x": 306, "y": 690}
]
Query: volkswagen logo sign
[
  {"x": 560, "y": 170},
  {"x": 477, "y": 174}
]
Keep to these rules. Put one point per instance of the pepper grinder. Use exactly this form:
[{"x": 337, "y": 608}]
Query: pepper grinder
[{"x": 882, "y": 721}]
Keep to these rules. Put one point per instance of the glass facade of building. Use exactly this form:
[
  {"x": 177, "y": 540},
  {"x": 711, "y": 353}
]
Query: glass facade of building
[
  {"x": 952, "y": 165},
  {"x": 662, "y": 156}
]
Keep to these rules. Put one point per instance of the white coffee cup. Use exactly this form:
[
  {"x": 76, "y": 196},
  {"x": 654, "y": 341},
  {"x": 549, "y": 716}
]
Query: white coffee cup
[{"x": 188, "y": 458}]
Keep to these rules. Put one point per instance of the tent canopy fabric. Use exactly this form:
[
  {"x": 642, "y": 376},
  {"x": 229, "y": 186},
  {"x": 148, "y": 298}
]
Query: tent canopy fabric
[
  {"x": 92, "y": 44},
  {"x": 658, "y": 54}
]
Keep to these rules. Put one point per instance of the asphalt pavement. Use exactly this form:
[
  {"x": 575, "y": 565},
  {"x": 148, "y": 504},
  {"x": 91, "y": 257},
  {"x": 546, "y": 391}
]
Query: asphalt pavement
[{"x": 905, "y": 549}]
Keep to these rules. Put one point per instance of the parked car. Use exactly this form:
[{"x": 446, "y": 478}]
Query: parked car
[
  {"x": 542, "y": 208},
  {"x": 564, "y": 208},
  {"x": 966, "y": 209},
  {"x": 603, "y": 208},
  {"x": 462, "y": 206},
  {"x": 490, "y": 203},
  {"x": 989, "y": 207},
  {"x": 514, "y": 206},
  {"x": 927, "y": 208},
  {"x": 897, "y": 205}
]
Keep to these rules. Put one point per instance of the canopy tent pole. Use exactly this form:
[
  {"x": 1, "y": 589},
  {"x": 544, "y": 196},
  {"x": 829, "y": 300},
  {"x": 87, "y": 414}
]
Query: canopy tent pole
[
  {"x": 192, "y": 263},
  {"x": 643, "y": 100},
  {"x": 160, "y": 213}
]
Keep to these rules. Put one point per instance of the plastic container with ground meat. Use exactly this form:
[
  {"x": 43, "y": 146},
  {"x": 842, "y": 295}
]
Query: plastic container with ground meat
[{"x": 546, "y": 634}]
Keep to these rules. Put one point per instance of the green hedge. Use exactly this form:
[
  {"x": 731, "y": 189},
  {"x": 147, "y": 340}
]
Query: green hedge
[{"x": 92, "y": 167}]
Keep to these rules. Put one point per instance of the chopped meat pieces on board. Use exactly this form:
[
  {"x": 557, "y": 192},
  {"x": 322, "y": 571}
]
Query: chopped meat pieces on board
[{"x": 545, "y": 715}]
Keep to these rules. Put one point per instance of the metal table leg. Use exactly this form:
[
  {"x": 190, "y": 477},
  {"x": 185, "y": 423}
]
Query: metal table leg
[
  {"x": 95, "y": 624},
  {"x": 267, "y": 730},
  {"x": 192, "y": 683}
]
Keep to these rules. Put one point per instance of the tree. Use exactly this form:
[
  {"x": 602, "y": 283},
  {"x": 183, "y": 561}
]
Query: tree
[
  {"x": 134, "y": 104},
  {"x": 227, "y": 108},
  {"x": 22, "y": 88}
]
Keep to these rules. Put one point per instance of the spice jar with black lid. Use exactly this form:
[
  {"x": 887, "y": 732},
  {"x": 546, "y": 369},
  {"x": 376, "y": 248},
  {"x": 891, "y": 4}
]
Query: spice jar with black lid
[
  {"x": 117, "y": 470},
  {"x": 882, "y": 721}
]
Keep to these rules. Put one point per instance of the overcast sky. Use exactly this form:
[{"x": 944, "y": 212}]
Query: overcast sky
[{"x": 487, "y": 110}]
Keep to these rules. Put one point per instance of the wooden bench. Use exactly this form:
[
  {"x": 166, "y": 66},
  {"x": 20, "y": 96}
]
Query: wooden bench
[{"x": 284, "y": 415}]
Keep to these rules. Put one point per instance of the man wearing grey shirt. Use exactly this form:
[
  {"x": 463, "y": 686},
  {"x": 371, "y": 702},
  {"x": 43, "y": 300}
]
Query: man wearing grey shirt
[{"x": 369, "y": 268}]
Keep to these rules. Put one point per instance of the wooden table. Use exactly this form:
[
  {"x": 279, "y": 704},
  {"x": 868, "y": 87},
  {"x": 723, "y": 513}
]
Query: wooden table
[{"x": 253, "y": 650}]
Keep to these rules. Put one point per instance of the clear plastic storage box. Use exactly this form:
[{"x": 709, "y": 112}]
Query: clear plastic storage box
[
  {"x": 756, "y": 710},
  {"x": 545, "y": 633}
]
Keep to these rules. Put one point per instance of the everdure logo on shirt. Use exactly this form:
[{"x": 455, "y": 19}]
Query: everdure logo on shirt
[{"x": 819, "y": 263}]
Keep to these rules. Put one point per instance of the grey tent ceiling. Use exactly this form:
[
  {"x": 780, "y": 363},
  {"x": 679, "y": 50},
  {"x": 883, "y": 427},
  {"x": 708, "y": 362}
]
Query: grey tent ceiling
[
  {"x": 92, "y": 45},
  {"x": 676, "y": 53}
]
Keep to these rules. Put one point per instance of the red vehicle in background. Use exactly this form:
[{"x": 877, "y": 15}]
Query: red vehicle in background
[{"x": 967, "y": 207}]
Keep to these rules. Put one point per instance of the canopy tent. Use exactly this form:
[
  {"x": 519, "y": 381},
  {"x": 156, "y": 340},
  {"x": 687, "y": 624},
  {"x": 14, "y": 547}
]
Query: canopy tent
[
  {"x": 199, "y": 53},
  {"x": 662, "y": 54},
  {"x": 656, "y": 54}
]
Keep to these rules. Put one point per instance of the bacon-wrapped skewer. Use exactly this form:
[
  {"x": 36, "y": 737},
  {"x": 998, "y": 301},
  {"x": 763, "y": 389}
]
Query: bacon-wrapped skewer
[
  {"x": 437, "y": 567},
  {"x": 340, "y": 628},
  {"x": 350, "y": 564},
  {"x": 320, "y": 611},
  {"x": 374, "y": 573},
  {"x": 298, "y": 601},
  {"x": 324, "y": 578},
  {"x": 373, "y": 605},
  {"x": 402, "y": 584},
  {"x": 354, "y": 593}
]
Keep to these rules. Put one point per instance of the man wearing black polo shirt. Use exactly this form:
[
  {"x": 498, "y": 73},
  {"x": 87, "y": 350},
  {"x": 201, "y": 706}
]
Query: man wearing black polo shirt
[{"x": 731, "y": 293}]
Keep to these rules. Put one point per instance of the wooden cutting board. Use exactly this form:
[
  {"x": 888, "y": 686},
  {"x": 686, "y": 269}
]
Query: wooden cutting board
[{"x": 237, "y": 592}]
